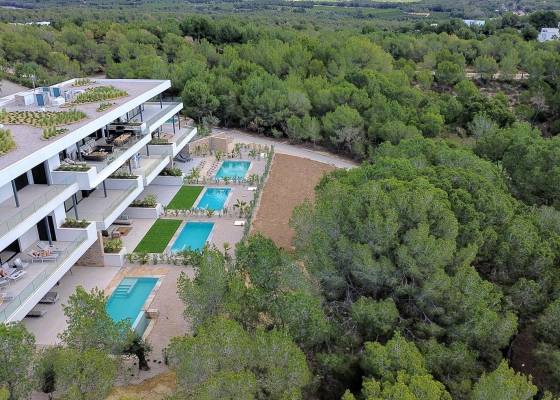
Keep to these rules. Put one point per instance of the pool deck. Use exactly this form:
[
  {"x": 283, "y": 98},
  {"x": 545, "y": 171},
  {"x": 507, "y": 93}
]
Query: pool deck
[{"x": 87, "y": 277}]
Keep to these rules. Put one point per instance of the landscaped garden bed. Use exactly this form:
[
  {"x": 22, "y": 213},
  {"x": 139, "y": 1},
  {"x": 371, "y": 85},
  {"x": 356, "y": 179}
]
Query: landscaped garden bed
[
  {"x": 75, "y": 223},
  {"x": 82, "y": 82},
  {"x": 7, "y": 142},
  {"x": 104, "y": 106},
  {"x": 41, "y": 119},
  {"x": 99, "y": 93},
  {"x": 158, "y": 237},
  {"x": 185, "y": 198},
  {"x": 73, "y": 167}
]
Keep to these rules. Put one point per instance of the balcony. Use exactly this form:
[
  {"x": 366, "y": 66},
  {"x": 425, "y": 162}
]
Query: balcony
[
  {"x": 40, "y": 277},
  {"x": 36, "y": 202},
  {"x": 171, "y": 143},
  {"x": 103, "y": 210},
  {"x": 150, "y": 166},
  {"x": 106, "y": 165},
  {"x": 156, "y": 114}
]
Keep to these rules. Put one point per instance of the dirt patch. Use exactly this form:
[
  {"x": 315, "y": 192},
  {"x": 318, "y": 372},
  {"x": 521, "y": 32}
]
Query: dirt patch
[
  {"x": 157, "y": 388},
  {"x": 292, "y": 180}
]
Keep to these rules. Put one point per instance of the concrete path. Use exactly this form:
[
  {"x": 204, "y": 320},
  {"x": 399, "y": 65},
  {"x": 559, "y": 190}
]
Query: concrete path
[{"x": 284, "y": 147}]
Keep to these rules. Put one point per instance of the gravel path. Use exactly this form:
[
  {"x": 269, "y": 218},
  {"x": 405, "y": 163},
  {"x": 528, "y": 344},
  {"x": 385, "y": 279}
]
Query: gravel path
[{"x": 283, "y": 147}]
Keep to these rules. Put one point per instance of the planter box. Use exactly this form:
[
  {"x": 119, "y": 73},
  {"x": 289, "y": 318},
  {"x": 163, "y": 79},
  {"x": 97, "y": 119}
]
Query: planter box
[
  {"x": 84, "y": 178},
  {"x": 144, "y": 212},
  {"x": 168, "y": 180},
  {"x": 114, "y": 259}
]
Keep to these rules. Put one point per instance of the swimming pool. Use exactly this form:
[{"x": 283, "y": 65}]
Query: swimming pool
[
  {"x": 233, "y": 169},
  {"x": 128, "y": 299},
  {"x": 193, "y": 236},
  {"x": 214, "y": 199}
]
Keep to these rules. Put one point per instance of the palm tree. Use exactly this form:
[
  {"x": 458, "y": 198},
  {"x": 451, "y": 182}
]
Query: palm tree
[
  {"x": 241, "y": 206},
  {"x": 194, "y": 175},
  {"x": 253, "y": 153}
]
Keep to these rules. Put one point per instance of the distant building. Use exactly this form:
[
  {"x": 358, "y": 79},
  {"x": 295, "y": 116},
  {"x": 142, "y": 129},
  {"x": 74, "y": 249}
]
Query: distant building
[
  {"x": 40, "y": 23},
  {"x": 548, "y": 34},
  {"x": 474, "y": 22}
]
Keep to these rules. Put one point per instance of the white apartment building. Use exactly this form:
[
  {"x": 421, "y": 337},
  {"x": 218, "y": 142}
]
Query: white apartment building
[
  {"x": 78, "y": 174},
  {"x": 547, "y": 34}
]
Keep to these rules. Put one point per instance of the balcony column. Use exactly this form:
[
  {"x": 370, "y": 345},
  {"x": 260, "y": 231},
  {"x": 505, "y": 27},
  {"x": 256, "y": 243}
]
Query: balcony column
[
  {"x": 14, "y": 189},
  {"x": 160, "y": 101},
  {"x": 141, "y": 115},
  {"x": 173, "y": 119},
  {"x": 79, "y": 152},
  {"x": 179, "y": 119},
  {"x": 148, "y": 150},
  {"x": 129, "y": 167},
  {"x": 75, "y": 205},
  {"x": 104, "y": 189},
  {"x": 48, "y": 228}
]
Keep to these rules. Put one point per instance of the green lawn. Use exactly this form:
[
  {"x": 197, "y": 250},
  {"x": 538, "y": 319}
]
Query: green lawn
[
  {"x": 185, "y": 197},
  {"x": 158, "y": 236}
]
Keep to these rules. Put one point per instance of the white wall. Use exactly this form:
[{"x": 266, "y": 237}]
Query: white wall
[
  {"x": 6, "y": 192},
  {"x": 28, "y": 238}
]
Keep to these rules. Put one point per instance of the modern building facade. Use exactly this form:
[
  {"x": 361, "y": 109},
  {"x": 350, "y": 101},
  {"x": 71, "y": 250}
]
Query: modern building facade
[
  {"x": 547, "y": 34},
  {"x": 90, "y": 169}
]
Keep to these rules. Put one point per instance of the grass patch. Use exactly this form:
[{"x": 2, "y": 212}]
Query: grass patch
[
  {"x": 158, "y": 236},
  {"x": 185, "y": 198}
]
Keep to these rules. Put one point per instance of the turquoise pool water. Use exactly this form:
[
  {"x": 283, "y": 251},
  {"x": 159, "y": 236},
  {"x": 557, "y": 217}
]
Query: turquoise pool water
[
  {"x": 214, "y": 199},
  {"x": 233, "y": 169},
  {"x": 193, "y": 236},
  {"x": 128, "y": 298}
]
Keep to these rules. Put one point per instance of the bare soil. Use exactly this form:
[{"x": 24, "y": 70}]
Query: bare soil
[
  {"x": 157, "y": 388},
  {"x": 291, "y": 181}
]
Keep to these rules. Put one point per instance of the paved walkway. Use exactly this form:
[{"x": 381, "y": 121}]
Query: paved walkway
[
  {"x": 284, "y": 147},
  {"x": 7, "y": 88}
]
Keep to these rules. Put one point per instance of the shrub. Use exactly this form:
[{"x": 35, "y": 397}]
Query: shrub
[
  {"x": 113, "y": 245},
  {"x": 104, "y": 106},
  {"x": 157, "y": 141},
  {"x": 122, "y": 175},
  {"x": 74, "y": 223},
  {"x": 171, "y": 172},
  {"x": 73, "y": 167},
  {"x": 99, "y": 93},
  {"x": 82, "y": 82},
  {"x": 150, "y": 201},
  {"x": 41, "y": 119},
  {"x": 7, "y": 142}
]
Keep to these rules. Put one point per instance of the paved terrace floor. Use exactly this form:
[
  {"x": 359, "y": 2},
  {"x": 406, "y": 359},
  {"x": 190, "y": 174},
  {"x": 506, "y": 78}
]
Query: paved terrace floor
[
  {"x": 47, "y": 328},
  {"x": 32, "y": 271},
  {"x": 30, "y": 198},
  {"x": 97, "y": 207}
]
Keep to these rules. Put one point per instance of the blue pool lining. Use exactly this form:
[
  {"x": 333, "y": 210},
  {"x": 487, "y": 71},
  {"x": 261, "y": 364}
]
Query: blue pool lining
[
  {"x": 180, "y": 229},
  {"x": 201, "y": 195},
  {"x": 223, "y": 161}
]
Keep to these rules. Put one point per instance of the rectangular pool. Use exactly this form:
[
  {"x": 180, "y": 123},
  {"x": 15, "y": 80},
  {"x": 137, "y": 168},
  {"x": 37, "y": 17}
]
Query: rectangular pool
[
  {"x": 128, "y": 299},
  {"x": 193, "y": 236},
  {"x": 213, "y": 199},
  {"x": 233, "y": 169}
]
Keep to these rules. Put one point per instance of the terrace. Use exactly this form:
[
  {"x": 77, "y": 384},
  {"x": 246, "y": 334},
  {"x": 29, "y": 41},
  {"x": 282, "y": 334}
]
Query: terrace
[
  {"x": 40, "y": 277},
  {"x": 149, "y": 167},
  {"x": 105, "y": 204},
  {"x": 35, "y": 202},
  {"x": 29, "y": 138}
]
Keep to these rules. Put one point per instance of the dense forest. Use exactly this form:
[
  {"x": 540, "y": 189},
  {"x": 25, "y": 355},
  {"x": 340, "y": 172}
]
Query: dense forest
[{"x": 426, "y": 273}]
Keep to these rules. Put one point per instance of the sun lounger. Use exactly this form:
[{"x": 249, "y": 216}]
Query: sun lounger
[
  {"x": 36, "y": 312},
  {"x": 239, "y": 223},
  {"x": 46, "y": 247},
  {"x": 4, "y": 282},
  {"x": 49, "y": 298},
  {"x": 16, "y": 274},
  {"x": 42, "y": 258},
  {"x": 252, "y": 188}
]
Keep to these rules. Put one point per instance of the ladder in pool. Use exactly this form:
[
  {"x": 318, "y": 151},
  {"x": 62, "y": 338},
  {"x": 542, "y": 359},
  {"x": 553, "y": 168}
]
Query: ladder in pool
[{"x": 125, "y": 287}]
